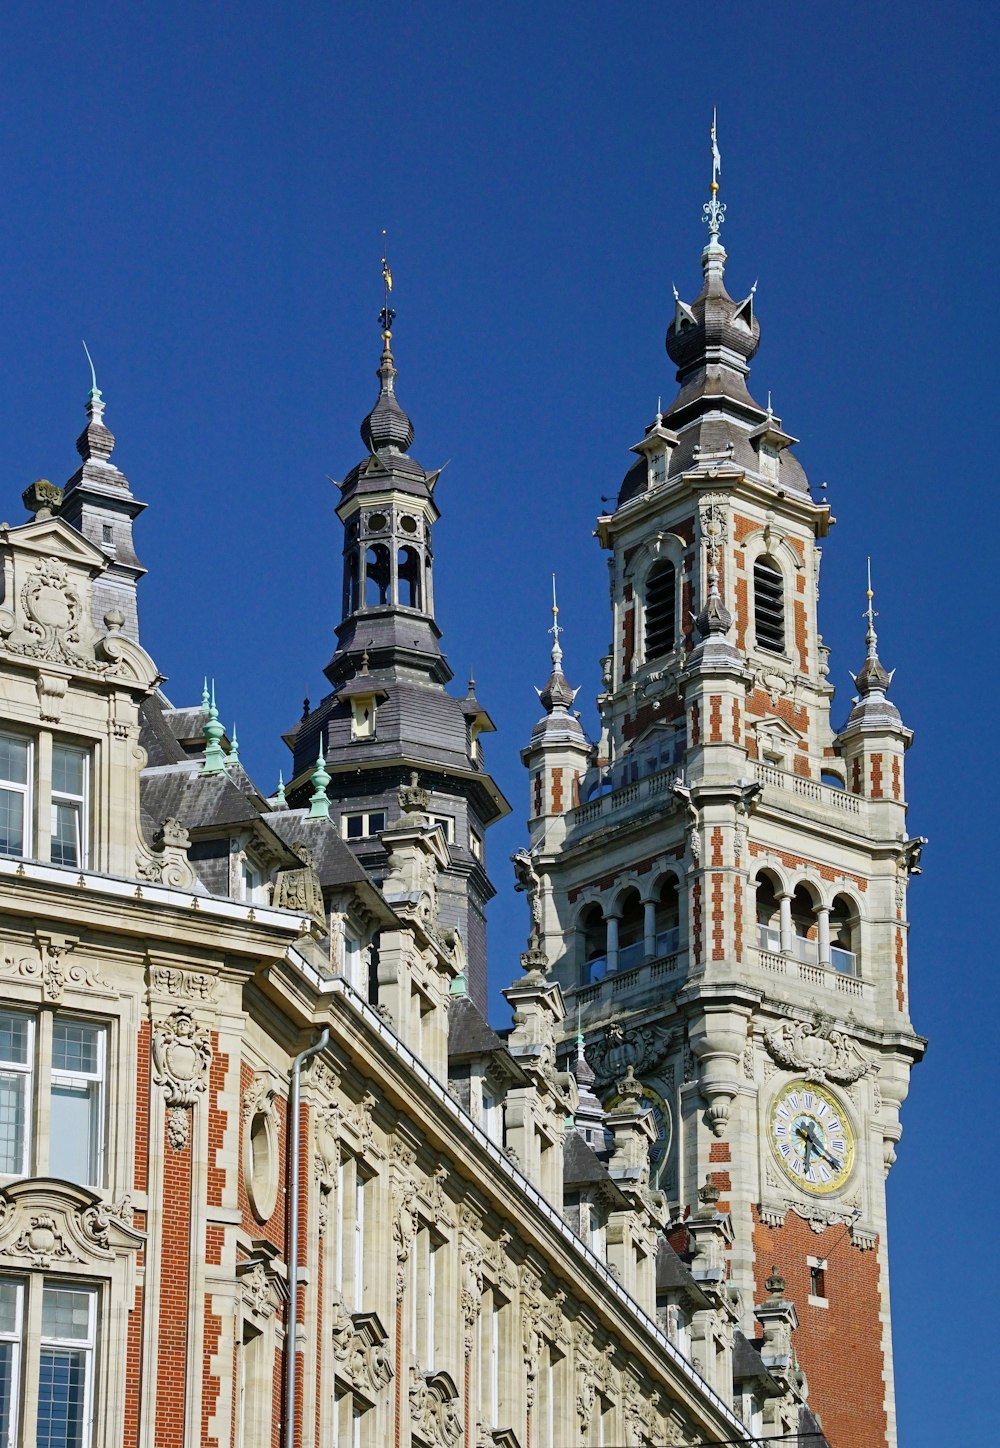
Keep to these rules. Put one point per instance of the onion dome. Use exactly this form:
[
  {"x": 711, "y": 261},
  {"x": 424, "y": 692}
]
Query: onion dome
[{"x": 387, "y": 426}]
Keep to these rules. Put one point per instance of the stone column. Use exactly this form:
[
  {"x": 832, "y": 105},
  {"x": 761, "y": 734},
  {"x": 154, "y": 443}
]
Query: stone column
[
  {"x": 649, "y": 929},
  {"x": 785, "y": 907},
  {"x": 612, "y": 924},
  {"x": 823, "y": 934}
]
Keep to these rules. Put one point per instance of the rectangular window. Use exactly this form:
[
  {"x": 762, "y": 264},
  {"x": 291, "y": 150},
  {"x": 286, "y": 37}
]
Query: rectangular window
[
  {"x": 358, "y": 1263},
  {"x": 16, "y": 1062},
  {"x": 11, "y": 1316},
  {"x": 15, "y": 800},
  {"x": 364, "y": 825},
  {"x": 76, "y": 1137},
  {"x": 74, "y": 1085},
  {"x": 476, "y": 845},
  {"x": 447, "y": 824},
  {"x": 69, "y": 806},
  {"x": 66, "y": 1367},
  {"x": 817, "y": 1281}
]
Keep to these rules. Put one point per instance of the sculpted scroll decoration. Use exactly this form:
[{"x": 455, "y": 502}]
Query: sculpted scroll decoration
[
  {"x": 181, "y": 1057},
  {"x": 825, "y": 1053},
  {"x": 434, "y": 1408}
]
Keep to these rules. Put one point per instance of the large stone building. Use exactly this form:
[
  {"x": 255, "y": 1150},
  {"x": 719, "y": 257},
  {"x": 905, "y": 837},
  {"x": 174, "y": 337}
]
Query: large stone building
[{"x": 269, "y": 1176}]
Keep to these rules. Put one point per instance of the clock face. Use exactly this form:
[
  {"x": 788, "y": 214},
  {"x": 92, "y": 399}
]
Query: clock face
[{"x": 811, "y": 1137}]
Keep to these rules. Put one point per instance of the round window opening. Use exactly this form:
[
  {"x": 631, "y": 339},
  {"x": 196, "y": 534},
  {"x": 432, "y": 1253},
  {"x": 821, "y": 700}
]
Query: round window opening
[
  {"x": 408, "y": 524},
  {"x": 376, "y": 522},
  {"x": 260, "y": 1166}
]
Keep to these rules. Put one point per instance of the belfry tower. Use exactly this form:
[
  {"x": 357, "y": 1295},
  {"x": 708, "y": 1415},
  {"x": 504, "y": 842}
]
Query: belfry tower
[
  {"x": 388, "y": 714},
  {"x": 725, "y": 883}
]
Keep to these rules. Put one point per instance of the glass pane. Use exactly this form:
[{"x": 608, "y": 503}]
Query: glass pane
[
  {"x": 75, "y": 1047},
  {"x": 65, "y": 834},
  {"x": 13, "y": 1089},
  {"x": 72, "y": 1145},
  {"x": 66, "y": 1313},
  {"x": 11, "y": 822},
  {"x": 9, "y": 1298},
  {"x": 376, "y": 823},
  {"x": 13, "y": 759},
  {"x": 62, "y": 1396},
  {"x": 355, "y": 827},
  {"x": 14, "y": 1038},
  {"x": 7, "y": 1354},
  {"x": 67, "y": 770}
]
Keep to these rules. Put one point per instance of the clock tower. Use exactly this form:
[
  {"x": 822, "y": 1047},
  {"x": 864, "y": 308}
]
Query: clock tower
[{"x": 725, "y": 878}]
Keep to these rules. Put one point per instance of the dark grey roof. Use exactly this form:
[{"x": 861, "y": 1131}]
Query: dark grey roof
[
  {"x": 581, "y": 1164},
  {"x": 469, "y": 1034},
  {"x": 335, "y": 862},
  {"x": 747, "y": 1362},
  {"x": 200, "y": 802},
  {"x": 810, "y": 1424},
  {"x": 155, "y": 735},
  {"x": 186, "y": 725}
]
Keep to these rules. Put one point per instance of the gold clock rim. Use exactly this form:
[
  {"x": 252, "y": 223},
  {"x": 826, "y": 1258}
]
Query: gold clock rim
[{"x": 820, "y": 1086}]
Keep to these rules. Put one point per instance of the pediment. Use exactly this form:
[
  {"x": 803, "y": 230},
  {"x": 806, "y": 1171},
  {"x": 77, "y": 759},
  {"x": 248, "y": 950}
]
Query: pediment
[
  {"x": 45, "y": 1223},
  {"x": 776, "y": 728},
  {"x": 53, "y": 538}
]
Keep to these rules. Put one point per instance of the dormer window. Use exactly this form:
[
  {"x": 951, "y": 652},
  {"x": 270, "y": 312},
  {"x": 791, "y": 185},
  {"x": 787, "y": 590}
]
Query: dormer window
[
  {"x": 254, "y": 886},
  {"x": 363, "y": 825}
]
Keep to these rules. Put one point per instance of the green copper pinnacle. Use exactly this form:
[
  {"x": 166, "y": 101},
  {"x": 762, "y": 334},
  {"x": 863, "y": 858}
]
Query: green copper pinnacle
[
  {"x": 215, "y": 759},
  {"x": 279, "y": 793},
  {"x": 319, "y": 804}
]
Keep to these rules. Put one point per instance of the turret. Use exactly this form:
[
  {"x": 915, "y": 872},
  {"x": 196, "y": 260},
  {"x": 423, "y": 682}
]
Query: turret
[
  {"x": 98, "y": 503},
  {"x": 874, "y": 739},
  {"x": 388, "y": 713}
]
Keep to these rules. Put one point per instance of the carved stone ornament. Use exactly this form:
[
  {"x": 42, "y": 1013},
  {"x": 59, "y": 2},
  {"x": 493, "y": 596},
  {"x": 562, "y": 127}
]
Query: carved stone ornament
[
  {"x": 360, "y": 1347},
  {"x": 826, "y": 1054},
  {"x": 185, "y": 985},
  {"x": 472, "y": 1289},
  {"x": 50, "y": 618},
  {"x": 263, "y": 1292},
  {"x": 640, "y": 1047},
  {"x": 166, "y": 863},
  {"x": 46, "y": 1223},
  {"x": 52, "y": 970},
  {"x": 434, "y": 1408},
  {"x": 326, "y": 1156},
  {"x": 404, "y": 1227},
  {"x": 181, "y": 1056},
  {"x": 299, "y": 889}
]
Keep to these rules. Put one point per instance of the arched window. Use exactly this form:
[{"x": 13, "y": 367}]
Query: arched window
[
  {"x": 593, "y": 931},
  {"x": 661, "y": 591},
  {"x": 803, "y": 926},
  {"x": 843, "y": 937},
  {"x": 769, "y": 606},
  {"x": 351, "y": 582},
  {"x": 630, "y": 931},
  {"x": 376, "y": 575},
  {"x": 768, "y": 915},
  {"x": 668, "y": 918},
  {"x": 408, "y": 573}
]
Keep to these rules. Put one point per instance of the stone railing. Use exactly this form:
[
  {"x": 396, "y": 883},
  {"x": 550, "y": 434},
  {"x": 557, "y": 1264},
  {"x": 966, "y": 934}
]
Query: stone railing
[
  {"x": 824, "y": 794},
  {"x": 636, "y": 979},
  {"x": 610, "y": 804},
  {"x": 850, "y": 985}
]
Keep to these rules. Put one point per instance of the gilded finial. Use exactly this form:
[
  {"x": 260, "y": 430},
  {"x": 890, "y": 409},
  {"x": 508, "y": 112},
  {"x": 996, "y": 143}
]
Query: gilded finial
[
  {"x": 556, "y": 628},
  {"x": 714, "y": 210},
  {"x": 871, "y": 614},
  {"x": 387, "y": 315}
]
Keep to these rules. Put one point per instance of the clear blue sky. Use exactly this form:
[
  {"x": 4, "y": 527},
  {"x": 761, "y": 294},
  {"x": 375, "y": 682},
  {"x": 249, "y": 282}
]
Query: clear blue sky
[{"x": 199, "y": 189}]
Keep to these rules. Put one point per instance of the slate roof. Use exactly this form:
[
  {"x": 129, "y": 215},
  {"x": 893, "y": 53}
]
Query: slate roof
[
  {"x": 199, "y": 801},
  {"x": 581, "y": 1164},
  {"x": 469, "y": 1034},
  {"x": 335, "y": 862},
  {"x": 155, "y": 734},
  {"x": 747, "y": 1362},
  {"x": 674, "y": 1275}
]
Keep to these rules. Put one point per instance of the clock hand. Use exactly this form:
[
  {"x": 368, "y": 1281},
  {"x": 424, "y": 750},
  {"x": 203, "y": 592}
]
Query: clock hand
[{"x": 821, "y": 1150}]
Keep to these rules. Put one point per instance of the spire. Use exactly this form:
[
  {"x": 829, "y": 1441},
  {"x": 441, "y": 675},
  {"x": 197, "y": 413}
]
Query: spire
[
  {"x": 280, "y": 802},
  {"x": 215, "y": 760},
  {"x": 96, "y": 442},
  {"x": 558, "y": 693},
  {"x": 872, "y": 680},
  {"x": 234, "y": 748},
  {"x": 319, "y": 803},
  {"x": 714, "y": 210},
  {"x": 387, "y": 425}
]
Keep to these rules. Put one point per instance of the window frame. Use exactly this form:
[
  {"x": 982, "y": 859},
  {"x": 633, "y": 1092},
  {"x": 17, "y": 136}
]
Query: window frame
[
  {"x": 662, "y": 616},
  {"x": 366, "y": 816},
  {"x": 79, "y": 803},
  {"x": 26, "y": 792},
  {"x": 41, "y": 1076},
  {"x": 765, "y": 561},
  {"x": 30, "y": 1342}
]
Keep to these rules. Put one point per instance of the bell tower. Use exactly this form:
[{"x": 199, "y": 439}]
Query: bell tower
[
  {"x": 725, "y": 894},
  {"x": 388, "y": 715}
]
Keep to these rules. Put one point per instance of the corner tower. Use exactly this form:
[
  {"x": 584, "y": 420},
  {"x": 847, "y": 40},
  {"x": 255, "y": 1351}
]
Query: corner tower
[
  {"x": 388, "y": 714},
  {"x": 725, "y": 905}
]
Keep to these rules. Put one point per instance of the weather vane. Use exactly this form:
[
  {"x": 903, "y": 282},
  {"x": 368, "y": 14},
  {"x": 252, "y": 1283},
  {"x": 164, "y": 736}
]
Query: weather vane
[
  {"x": 387, "y": 315},
  {"x": 714, "y": 209}
]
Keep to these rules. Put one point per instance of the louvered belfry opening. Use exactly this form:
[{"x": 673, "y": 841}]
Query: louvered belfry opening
[
  {"x": 661, "y": 590},
  {"x": 769, "y": 607}
]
